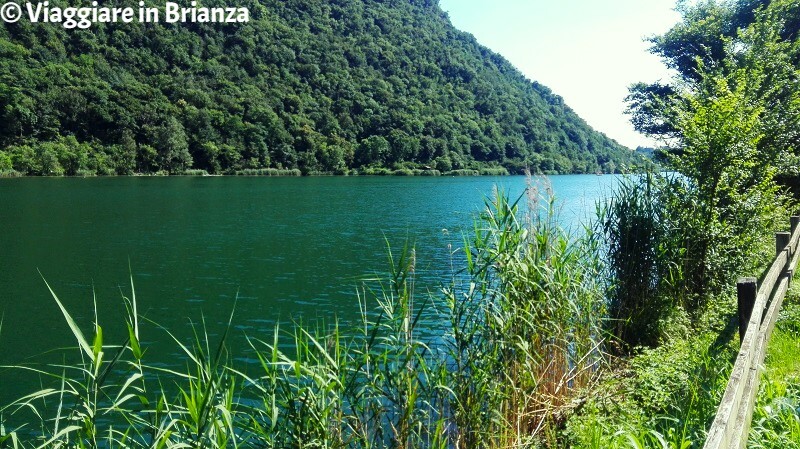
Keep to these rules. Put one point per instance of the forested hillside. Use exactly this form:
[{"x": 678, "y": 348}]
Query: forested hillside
[{"x": 319, "y": 86}]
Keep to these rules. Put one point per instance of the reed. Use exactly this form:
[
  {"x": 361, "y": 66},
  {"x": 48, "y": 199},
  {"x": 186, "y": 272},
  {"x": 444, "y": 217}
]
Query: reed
[
  {"x": 494, "y": 171},
  {"x": 526, "y": 325},
  {"x": 462, "y": 172},
  {"x": 268, "y": 172},
  {"x": 194, "y": 172}
]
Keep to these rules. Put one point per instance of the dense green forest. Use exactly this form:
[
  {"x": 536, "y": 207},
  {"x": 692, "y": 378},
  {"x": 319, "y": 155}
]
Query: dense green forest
[{"x": 331, "y": 86}]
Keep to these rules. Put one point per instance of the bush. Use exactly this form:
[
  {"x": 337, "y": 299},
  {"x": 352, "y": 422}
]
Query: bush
[
  {"x": 85, "y": 173},
  {"x": 194, "y": 172},
  {"x": 462, "y": 172},
  {"x": 10, "y": 174},
  {"x": 494, "y": 171},
  {"x": 268, "y": 172},
  {"x": 373, "y": 171},
  {"x": 5, "y": 162},
  {"x": 672, "y": 249}
]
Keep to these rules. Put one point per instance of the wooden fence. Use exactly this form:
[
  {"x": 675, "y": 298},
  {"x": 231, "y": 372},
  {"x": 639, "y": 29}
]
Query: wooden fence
[{"x": 758, "y": 310}]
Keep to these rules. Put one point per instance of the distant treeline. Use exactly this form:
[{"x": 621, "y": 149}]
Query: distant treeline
[{"x": 320, "y": 87}]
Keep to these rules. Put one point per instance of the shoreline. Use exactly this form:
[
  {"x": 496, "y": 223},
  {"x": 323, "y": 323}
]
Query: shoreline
[{"x": 275, "y": 173}]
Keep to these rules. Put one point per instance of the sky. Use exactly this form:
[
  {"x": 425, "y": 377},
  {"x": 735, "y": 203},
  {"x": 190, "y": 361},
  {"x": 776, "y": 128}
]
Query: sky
[{"x": 587, "y": 51}]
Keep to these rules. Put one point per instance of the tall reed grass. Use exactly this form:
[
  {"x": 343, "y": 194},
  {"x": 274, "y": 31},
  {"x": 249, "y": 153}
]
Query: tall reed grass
[{"x": 526, "y": 328}]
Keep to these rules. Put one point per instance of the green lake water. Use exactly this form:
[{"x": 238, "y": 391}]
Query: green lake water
[{"x": 290, "y": 248}]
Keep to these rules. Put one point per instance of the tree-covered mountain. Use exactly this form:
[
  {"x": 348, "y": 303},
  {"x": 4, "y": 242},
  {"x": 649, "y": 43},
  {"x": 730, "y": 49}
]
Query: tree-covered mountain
[{"x": 314, "y": 85}]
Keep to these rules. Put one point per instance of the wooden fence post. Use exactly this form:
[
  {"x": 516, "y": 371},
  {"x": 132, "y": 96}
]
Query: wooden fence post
[
  {"x": 794, "y": 221},
  {"x": 746, "y": 290},
  {"x": 781, "y": 240}
]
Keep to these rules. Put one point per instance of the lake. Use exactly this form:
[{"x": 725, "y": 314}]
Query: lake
[{"x": 287, "y": 248}]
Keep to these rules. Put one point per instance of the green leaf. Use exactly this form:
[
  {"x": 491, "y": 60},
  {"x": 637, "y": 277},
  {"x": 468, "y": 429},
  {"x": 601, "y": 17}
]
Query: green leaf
[{"x": 74, "y": 327}]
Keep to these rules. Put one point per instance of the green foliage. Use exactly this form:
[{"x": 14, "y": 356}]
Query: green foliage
[
  {"x": 194, "y": 172},
  {"x": 494, "y": 171},
  {"x": 526, "y": 325},
  {"x": 463, "y": 172},
  {"x": 739, "y": 50},
  {"x": 775, "y": 418},
  {"x": 776, "y": 423},
  {"x": 5, "y": 161},
  {"x": 789, "y": 317},
  {"x": 676, "y": 243},
  {"x": 640, "y": 258},
  {"x": 403, "y": 172},
  {"x": 672, "y": 248},
  {"x": 722, "y": 122},
  {"x": 10, "y": 174},
  {"x": 322, "y": 88},
  {"x": 694, "y": 233},
  {"x": 267, "y": 172},
  {"x": 663, "y": 398}
]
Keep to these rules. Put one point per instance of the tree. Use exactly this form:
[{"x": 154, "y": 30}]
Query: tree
[
  {"x": 169, "y": 140},
  {"x": 373, "y": 149},
  {"x": 5, "y": 162},
  {"x": 124, "y": 154},
  {"x": 720, "y": 38},
  {"x": 730, "y": 118}
]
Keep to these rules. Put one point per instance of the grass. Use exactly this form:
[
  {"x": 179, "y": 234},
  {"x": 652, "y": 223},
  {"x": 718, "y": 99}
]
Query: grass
[
  {"x": 194, "y": 172},
  {"x": 776, "y": 419}
]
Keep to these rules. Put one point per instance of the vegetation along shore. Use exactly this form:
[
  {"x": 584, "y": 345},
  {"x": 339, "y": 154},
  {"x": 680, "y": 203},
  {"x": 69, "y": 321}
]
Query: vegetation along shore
[{"x": 621, "y": 335}]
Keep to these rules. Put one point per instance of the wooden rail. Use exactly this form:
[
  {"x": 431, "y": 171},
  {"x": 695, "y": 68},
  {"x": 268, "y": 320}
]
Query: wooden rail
[{"x": 758, "y": 311}]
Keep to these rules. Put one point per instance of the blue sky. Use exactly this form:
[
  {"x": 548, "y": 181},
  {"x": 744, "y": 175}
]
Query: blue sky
[{"x": 587, "y": 51}]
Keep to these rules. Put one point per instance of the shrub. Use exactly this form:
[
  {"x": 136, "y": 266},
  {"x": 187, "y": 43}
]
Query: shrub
[
  {"x": 462, "y": 172},
  {"x": 494, "y": 171},
  {"x": 639, "y": 258},
  {"x": 85, "y": 173},
  {"x": 194, "y": 172},
  {"x": 10, "y": 174},
  {"x": 268, "y": 172},
  {"x": 5, "y": 161}
]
